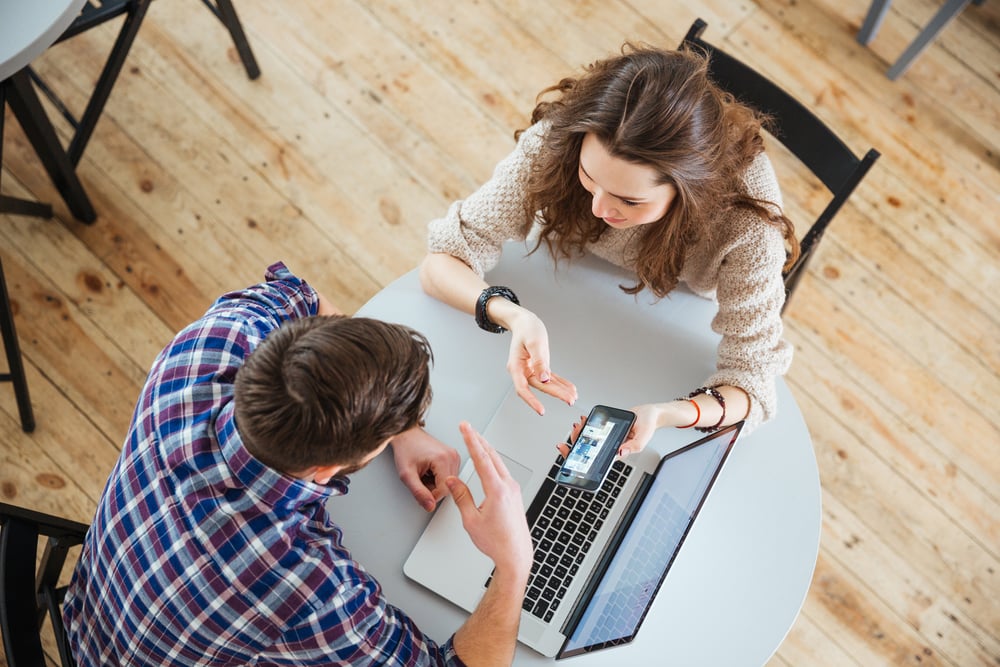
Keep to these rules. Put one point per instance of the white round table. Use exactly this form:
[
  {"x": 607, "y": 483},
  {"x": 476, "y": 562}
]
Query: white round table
[
  {"x": 28, "y": 27},
  {"x": 741, "y": 577}
]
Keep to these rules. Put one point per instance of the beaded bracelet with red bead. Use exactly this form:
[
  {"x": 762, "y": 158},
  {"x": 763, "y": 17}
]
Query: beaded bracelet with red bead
[{"x": 714, "y": 393}]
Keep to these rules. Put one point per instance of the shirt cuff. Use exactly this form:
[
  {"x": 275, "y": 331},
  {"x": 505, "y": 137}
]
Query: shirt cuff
[{"x": 451, "y": 657}]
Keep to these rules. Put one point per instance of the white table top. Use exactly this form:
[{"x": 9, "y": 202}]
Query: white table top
[
  {"x": 28, "y": 27},
  {"x": 741, "y": 577}
]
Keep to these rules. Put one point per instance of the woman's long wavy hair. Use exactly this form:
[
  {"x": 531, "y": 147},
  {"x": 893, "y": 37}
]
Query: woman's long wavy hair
[{"x": 657, "y": 108}]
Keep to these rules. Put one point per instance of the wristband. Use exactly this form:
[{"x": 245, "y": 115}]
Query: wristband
[
  {"x": 714, "y": 393},
  {"x": 697, "y": 411},
  {"x": 482, "y": 319}
]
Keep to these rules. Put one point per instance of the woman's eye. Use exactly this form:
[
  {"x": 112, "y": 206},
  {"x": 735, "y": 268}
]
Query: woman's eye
[{"x": 630, "y": 203}]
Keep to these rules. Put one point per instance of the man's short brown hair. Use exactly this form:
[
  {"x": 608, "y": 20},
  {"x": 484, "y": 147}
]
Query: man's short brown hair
[{"x": 330, "y": 390}]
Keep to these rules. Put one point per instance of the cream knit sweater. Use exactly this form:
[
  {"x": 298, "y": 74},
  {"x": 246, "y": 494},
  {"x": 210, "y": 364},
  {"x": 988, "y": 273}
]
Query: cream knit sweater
[{"x": 738, "y": 265}]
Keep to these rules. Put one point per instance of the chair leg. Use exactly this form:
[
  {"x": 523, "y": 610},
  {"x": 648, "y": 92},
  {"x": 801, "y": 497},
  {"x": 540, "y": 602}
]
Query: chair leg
[
  {"x": 948, "y": 11},
  {"x": 14, "y": 363},
  {"x": 31, "y": 115},
  {"x": 106, "y": 81},
  {"x": 873, "y": 20},
  {"x": 225, "y": 12},
  {"x": 15, "y": 205}
]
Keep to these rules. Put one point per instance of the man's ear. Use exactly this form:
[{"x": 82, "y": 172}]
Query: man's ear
[{"x": 323, "y": 474}]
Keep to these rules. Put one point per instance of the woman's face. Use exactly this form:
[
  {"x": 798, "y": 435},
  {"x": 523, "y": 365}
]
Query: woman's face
[{"x": 624, "y": 194}]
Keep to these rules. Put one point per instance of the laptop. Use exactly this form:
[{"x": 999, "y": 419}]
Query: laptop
[{"x": 600, "y": 557}]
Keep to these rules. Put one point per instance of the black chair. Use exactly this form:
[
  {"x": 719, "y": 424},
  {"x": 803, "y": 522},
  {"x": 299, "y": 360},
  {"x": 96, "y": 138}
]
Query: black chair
[
  {"x": 799, "y": 130},
  {"x": 15, "y": 368},
  {"x": 24, "y": 102},
  {"x": 29, "y": 594}
]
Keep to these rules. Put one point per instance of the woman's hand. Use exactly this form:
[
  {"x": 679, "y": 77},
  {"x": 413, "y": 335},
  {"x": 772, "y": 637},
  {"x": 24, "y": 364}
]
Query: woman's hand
[
  {"x": 574, "y": 433},
  {"x": 528, "y": 362},
  {"x": 647, "y": 420}
]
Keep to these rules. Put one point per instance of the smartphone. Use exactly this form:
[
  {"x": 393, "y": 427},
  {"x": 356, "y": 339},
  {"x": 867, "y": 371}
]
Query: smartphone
[{"x": 595, "y": 448}]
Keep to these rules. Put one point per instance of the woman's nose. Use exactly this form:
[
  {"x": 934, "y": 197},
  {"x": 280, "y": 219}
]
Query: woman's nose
[{"x": 601, "y": 206}]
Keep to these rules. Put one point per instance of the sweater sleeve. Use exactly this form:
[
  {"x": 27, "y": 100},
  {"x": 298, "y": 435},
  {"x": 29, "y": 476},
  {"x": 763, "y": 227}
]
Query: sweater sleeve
[
  {"x": 752, "y": 352},
  {"x": 475, "y": 229},
  {"x": 751, "y": 292}
]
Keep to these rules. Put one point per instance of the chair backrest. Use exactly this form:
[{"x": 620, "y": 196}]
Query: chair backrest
[
  {"x": 806, "y": 136},
  {"x": 28, "y": 594}
]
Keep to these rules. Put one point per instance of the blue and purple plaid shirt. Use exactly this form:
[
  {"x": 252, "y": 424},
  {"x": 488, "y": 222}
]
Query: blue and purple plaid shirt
[{"x": 200, "y": 554}]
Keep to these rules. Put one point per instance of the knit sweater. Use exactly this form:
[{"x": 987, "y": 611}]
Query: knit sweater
[{"x": 738, "y": 264}]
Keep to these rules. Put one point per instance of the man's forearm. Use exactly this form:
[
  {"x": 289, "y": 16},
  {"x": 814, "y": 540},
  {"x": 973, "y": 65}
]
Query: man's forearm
[{"x": 488, "y": 638}]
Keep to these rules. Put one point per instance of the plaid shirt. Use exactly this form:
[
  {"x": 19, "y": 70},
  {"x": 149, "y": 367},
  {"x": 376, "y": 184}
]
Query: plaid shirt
[{"x": 200, "y": 554}]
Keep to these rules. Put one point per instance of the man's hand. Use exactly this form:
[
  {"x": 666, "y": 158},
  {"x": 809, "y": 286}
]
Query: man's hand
[
  {"x": 498, "y": 526},
  {"x": 423, "y": 463}
]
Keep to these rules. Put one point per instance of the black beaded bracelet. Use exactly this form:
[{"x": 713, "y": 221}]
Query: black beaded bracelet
[
  {"x": 714, "y": 393},
  {"x": 482, "y": 319}
]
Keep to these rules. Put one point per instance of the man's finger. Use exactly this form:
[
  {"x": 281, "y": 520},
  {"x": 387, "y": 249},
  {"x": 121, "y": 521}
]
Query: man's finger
[
  {"x": 461, "y": 495},
  {"x": 420, "y": 492},
  {"x": 480, "y": 451},
  {"x": 498, "y": 464}
]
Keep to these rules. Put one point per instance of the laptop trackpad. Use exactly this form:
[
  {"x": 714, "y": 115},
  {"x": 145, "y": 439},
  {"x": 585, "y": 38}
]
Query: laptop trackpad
[{"x": 517, "y": 471}]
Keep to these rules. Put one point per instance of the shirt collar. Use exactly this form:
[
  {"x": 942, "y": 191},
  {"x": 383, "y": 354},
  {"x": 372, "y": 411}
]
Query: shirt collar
[{"x": 275, "y": 489}]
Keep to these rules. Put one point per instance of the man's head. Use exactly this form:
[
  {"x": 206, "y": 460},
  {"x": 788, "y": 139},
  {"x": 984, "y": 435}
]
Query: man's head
[{"x": 330, "y": 391}]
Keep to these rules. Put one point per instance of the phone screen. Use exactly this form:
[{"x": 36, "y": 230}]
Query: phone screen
[{"x": 595, "y": 448}]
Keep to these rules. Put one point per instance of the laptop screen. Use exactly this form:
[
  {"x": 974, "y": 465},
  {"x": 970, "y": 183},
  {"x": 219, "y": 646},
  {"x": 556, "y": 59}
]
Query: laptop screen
[{"x": 636, "y": 570}]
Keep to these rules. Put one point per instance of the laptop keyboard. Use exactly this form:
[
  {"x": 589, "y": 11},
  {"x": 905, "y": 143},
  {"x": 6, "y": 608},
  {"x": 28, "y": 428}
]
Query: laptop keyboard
[{"x": 564, "y": 522}]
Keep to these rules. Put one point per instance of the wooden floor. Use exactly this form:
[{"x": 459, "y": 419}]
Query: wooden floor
[{"x": 371, "y": 117}]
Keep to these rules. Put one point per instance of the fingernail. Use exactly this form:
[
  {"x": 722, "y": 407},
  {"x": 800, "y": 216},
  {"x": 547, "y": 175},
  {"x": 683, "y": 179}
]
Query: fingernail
[
  {"x": 624, "y": 452},
  {"x": 544, "y": 377}
]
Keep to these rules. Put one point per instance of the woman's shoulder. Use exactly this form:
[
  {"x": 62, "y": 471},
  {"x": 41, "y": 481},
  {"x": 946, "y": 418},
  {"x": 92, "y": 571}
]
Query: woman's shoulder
[
  {"x": 531, "y": 138},
  {"x": 742, "y": 227},
  {"x": 761, "y": 182}
]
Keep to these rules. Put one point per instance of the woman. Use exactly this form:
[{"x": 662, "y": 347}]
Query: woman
[{"x": 644, "y": 162}]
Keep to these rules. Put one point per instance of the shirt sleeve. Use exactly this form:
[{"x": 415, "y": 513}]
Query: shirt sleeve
[
  {"x": 282, "y": 297},
  {"x": 358, "y": 627},
  {"x": 211, "y": 350},
  {"x": 475, "y": 229}
]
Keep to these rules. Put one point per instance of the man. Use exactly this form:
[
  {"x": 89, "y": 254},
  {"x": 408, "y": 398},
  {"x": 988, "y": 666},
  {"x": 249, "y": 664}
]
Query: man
[{"x": 212, "y": 544}]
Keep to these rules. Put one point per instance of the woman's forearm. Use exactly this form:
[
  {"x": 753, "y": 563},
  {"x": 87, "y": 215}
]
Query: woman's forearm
[
  {"x": 449, "y": 279},
  {"x": 706, "y": 411}
]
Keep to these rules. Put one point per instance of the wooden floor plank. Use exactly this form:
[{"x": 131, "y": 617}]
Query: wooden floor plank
[
  {"x": 921, "y": 532},
  {"x": 918, "y": 600},
  {"x": 901, "y": 446},
  {"x": 51, "y": 326},
  {"x": 951, "y": 159},
  {"x": 808, "y": 644}
]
